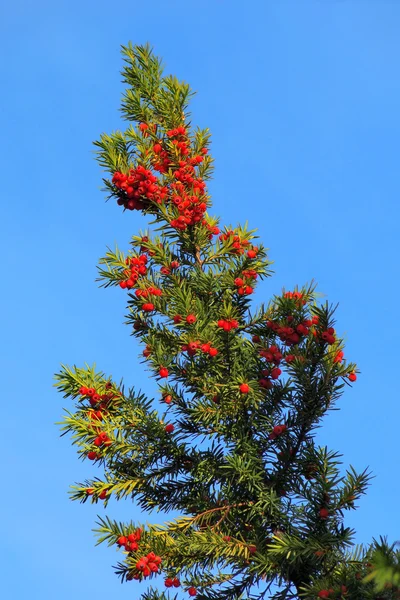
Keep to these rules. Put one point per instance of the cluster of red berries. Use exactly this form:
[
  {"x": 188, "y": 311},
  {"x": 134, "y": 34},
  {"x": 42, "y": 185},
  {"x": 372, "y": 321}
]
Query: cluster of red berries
[
  {"x": 238, "y": 246},
  {"x": 191, "y": 206},
  {"x": 338, "y": 359},
  {"x": 291, "y": 334},
  {"x": 145, "y": 293},
  {"x": 327, "y": 336},
  {"x": 130, "y": 542},
  {"x": 178, "y": 131},
  {"x": 213, "y": 229},
  {"x": 137, "y": 267},
  {"x": 101, "y": 440},
  {"x": 95, "y": 415},
  {"x": 163, "y": 161},
  {"x": 243, "y": 283},
  {"x": 190, "y": 319},
  {"x": 228, "y": 324},
  {"x": 271, "y": 354},
  {"x": 169, "y": 582},
  {"x": 298, "y": 296},
  {"x": 102, "y": 401},
  {"x": 95, "y": 399},
  {"x": 192, "y": 347},
  {"x": 138, "y": 188},
  {"x": 167, "y": 269},
  {"x": 150, "y": 291},
  {"x": 147, "y": 565},
  {"x": 277, "y": 431},
  {"x": 267, "y": 375},
  {"x": 102, "y": 496}
]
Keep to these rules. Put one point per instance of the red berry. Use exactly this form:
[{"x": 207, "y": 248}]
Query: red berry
[
  {"x": 121, "y": 541},
  {"x": 339, "y": 357},
  {"x": 92, "y": 455},
  {"x": 141, "y": 565},
  {"x": 163, "y": 372},
  {"x": 103, "y": 495},
  {"x": 279, "y": 429},
  {"x": 148, "y": 306},
  {"x": 266, "y": 383},
  {"x": 213, "y": 352},
  {"x": 244, "y": 388},
  {"x": 227, "y": 538},
  {"x": 275, "y": 373},
  {"x": 168, "y": 582},
  {"x": 251, "y": 253},
  {"x": 191, "y": 319},
  {"x": 177, "y": 319},
  {"x": 83, "y": 391},
  {"x": 192, "y": 591},
  {"x": 324, "y": 513},
  {"x": 176, "y": 582},
  {"x": 168, "y": 399},
  {"x": 146, "y": 571},
  {"x": 353, "y": 377},
  {"x": 169, "y": 428},
  {"x": 323, "y": 594}
]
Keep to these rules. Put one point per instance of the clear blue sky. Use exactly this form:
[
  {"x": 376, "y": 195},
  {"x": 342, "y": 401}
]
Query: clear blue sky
[{"x": 303, "y": 100}]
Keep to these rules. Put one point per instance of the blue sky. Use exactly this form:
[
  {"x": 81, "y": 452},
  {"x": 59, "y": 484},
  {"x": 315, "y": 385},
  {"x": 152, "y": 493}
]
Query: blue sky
[{"x": 302, "y": 98}]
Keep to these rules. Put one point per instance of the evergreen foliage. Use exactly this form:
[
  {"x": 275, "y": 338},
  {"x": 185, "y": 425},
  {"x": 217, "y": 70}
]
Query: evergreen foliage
[{"x": 261, "y": 506}]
